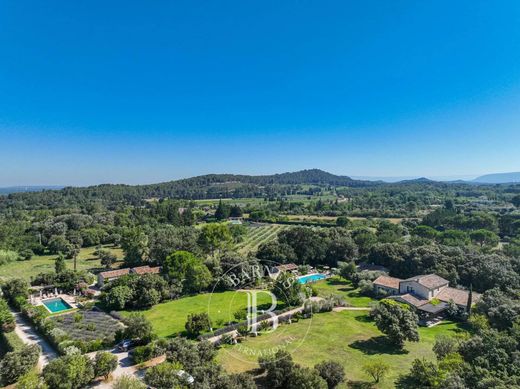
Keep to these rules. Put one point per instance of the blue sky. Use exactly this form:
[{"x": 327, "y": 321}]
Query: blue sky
[{"x": 141, "y": 92}]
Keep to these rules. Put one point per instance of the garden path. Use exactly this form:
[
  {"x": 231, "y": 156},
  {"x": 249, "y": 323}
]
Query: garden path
[{"x": 28, "y": 335}]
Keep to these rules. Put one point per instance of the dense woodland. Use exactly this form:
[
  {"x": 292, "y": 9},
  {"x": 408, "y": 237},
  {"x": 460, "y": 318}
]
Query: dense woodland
[{"x": 467, "y": 234}]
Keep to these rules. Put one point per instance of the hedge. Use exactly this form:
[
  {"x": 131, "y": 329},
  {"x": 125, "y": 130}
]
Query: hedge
[
  {"x": 9, "y": 341},
  {"x": 235, "y": 326}
]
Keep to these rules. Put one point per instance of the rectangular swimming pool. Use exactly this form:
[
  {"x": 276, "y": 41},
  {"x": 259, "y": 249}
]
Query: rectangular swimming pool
[
  {"x": 311, "y": 278},
  {"x": 56, "y": 305}
]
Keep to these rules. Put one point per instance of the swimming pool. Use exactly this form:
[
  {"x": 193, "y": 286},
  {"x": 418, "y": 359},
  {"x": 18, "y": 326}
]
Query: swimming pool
[
  {"x": 56, "y": 305},
  {"x": 311, "y": 278}
]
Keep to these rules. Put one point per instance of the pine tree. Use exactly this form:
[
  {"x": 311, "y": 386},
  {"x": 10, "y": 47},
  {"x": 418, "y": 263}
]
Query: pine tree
[{"x": 470, "y": 300}]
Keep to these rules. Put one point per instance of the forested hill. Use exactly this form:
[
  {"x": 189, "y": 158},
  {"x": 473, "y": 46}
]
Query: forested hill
[
  {"x": 201, "y": 187},
  {"x": 211, "y": 186}
]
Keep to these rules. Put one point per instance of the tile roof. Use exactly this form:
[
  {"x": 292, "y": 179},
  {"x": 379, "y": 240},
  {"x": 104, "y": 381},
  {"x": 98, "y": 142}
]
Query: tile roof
[
  {"x": 287, "y": 266},
  {"x": 388, "y": 282},
  {"x": 114, "y": 273},
  {"x": 430, "y": 281},
  {"x": 146, "y": 270},
  {"x": 433, "y": 308},
  {"x": 410, "y": 299},
  {"x": 458, "y": 296}
]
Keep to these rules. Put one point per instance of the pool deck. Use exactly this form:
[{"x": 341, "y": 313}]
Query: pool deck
[
  {"x": 311, "y": 280},
  {"x": 71, "y": 300}
]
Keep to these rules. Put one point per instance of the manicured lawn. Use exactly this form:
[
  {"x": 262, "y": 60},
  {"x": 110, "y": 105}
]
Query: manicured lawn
[
  {"x": 168, "y": 319},
  {"x": 337, "y": 285},
  {"x": 348, "y": 337},
  {"x": 45, "y": 263}
]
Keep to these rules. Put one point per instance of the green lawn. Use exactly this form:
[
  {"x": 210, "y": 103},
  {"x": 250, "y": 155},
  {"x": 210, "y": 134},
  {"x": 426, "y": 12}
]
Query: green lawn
[
  {"x": 168, "y": 319},
  {"x": 348, "y": 337},
  {"x": 45, "y": 263},
  {"x": 337, "y": 285}
]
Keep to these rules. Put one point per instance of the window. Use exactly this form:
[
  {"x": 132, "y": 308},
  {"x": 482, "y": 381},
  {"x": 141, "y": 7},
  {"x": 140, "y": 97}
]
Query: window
[{"x": 409, "y": 289}]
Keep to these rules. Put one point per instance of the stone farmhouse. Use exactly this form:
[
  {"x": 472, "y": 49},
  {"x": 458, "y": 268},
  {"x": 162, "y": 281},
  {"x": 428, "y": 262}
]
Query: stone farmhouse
[
  {"x": 111, "y": 275},
  {"x": 430, "y": 294}
]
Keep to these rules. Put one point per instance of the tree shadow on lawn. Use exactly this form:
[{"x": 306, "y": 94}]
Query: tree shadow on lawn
[
  {"x": 364, "y": 319},
  {"x": 360, "y": 385},
  {"x": 337, "y": 281},
  {"x": 377, "y": 345}
]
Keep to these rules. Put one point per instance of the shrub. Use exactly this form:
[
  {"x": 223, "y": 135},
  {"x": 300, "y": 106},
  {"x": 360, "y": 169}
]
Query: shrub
[
  {"x": 25, "y": 255},
  {"x": 71, "y": 372},
  {"x": 31, "y": 380},
  {"x": 163, "y": 376},
  {"x": 16, "y": 292},
  {"x": 197, "y": 322},
  {"x": 7, "y": 256},
  {"x": 138, "y": 327},
  {"x": 128, "y": 382},
  {"x": 58, "y": 335},
  {"x": 71, "y": 350},
  {"x": 7, "y": 323},
  {"x": 104, "y": 364},
  {"x": 366, "y": 288},
  {"x": 17, "y": 363},
  {"x": 332, "y": 372}
]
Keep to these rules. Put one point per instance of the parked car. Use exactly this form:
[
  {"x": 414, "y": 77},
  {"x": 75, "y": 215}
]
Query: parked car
[
  {"x": 125, "y": 345},
  {"x": 185, "y": 377}
]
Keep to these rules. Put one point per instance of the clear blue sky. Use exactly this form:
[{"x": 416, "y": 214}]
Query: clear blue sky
[{"x": 147, "y": 91}]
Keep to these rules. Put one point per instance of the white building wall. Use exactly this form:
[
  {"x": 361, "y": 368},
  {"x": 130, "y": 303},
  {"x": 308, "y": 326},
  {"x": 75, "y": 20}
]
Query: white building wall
[{"x": 415, "y": 288}]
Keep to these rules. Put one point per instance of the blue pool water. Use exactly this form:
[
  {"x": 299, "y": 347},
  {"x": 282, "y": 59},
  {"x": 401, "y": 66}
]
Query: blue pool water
[
  {"x": 56, "y": 305},
  {"x": 311, "y": 278}
]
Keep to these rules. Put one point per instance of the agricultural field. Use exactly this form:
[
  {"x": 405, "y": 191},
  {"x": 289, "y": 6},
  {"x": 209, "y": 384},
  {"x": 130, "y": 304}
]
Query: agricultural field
[
  {"x": 45, "y": 263},
  {"x": 87, "y": 325},
  {"x": 330, "y": 219},
  {"x": 257, "y": 234},
  {"x": 168, "y": 319},
  {"x": 348, "y": 337}
]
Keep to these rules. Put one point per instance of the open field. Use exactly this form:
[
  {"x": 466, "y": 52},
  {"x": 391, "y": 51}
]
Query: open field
[
  {"x": 337, "y": 285},
  {"x": 168, "y": 319},
  {"x": 348, "y": 337},
  {"x": 326, "y": 219},
  {"x": 258, "y": 234},
  {"x": 45, "y": 263},
  {"x": 260, "y": 200}
]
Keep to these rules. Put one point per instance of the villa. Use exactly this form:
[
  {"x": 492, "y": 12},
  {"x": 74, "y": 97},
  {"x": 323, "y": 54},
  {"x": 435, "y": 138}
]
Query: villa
[{"x": 429, "y": 294}]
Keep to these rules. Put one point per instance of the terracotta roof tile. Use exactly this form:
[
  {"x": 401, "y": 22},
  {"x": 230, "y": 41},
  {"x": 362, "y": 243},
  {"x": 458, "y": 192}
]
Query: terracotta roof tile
[
  {"x": 388, "y": 282},
  {"x": 115, "y": 273},
  {"x": 287, "y": 267},
  {"x": 146, "y": 270},
  {"x": 430, "y": 281},
  {"x": 459, "y": 296}
]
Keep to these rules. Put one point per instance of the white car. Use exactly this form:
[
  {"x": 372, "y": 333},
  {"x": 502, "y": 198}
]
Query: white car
[{"x": 185, "y": 377}]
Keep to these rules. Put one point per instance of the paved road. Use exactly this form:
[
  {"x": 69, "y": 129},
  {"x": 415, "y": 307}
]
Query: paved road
[
  {"x": 124, "y": 367},
  {"x": 30, "y": 336}
]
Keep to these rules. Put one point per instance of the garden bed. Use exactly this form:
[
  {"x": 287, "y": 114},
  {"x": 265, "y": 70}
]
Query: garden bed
[{"x": 87, "y": 325}]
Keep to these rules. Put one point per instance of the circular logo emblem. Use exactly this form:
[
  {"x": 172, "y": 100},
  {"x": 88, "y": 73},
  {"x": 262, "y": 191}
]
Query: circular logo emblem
[{"x": 261, "y": 309}]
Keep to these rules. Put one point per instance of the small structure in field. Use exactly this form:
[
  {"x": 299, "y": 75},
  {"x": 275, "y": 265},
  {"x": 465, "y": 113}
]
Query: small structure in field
[{"x": 111, "y": 275}]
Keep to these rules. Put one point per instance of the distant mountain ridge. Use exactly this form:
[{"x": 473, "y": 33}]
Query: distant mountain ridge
[
  {"x": 213, "y": 186},
  {"x": 28, "y": 188},
  {"x": 498, "y": 178}
]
